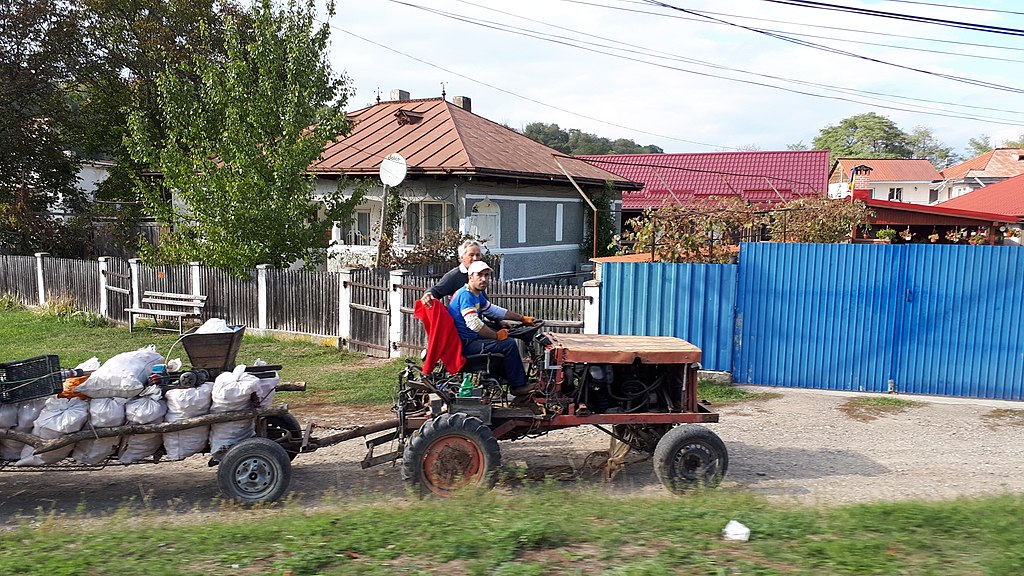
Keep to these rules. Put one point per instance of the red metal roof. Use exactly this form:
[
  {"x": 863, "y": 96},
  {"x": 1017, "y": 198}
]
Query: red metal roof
[
  {"x": 764, "y": 178},
  {"x": 998, "y": 163},
  {"x": 886, "y": 170},
  {"x": 1004, "y": 197},
  {"x": 438, "y": 137},
  {"x": 887, "y": 212}
]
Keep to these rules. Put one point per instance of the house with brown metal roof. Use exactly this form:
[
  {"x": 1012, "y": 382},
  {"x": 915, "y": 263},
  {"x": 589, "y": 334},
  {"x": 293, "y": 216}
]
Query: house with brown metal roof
[
  {"x": 466, "y": 173},
  {"x": 764, "y": 179},
  {"x": 894, "y": 180},
  {"x": 991, "y": 167}
]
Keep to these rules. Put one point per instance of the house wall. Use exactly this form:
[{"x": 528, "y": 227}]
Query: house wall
[
  {"x": 546, "y": 242},
  {"x": 913, "y": 192}
]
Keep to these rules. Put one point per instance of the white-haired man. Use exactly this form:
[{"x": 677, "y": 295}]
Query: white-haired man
[{"x": 469, "y": 252}]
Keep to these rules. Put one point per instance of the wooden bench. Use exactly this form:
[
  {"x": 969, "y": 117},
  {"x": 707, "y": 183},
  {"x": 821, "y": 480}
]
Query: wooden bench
[{"x": 167, "y": 305}]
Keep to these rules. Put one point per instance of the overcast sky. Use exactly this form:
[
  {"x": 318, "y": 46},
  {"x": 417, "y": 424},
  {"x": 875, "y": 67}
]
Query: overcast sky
[{"x": 631, "y": 69}]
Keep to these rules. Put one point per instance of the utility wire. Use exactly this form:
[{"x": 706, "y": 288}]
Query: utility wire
[
  {"x": 649, "y": 52},
  {"x": 962, "y": 79},
  {"x": 957, "y": 7},
  {"x": 560, "y": 40},
  {"x": 898, "y": 16},
  {"x": 527, "y": 98},
  {"x": 815, "y": 26}
]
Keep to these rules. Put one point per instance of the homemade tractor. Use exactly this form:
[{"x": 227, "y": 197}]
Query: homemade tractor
[{"x": 640, "y": 390}]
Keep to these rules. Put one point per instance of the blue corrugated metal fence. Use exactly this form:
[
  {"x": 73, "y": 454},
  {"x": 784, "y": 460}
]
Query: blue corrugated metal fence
[
  {"x": 929, "y": 319},
  {"x": 694, "y": 302}
]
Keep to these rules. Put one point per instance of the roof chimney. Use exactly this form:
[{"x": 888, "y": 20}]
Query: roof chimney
[
  {"x": 463, "y": 102},
  {"x": 400, "y": 95}
]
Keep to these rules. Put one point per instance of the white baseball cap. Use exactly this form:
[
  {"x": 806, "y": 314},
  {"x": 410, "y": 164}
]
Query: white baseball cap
[{"x": 477, "y": 267}]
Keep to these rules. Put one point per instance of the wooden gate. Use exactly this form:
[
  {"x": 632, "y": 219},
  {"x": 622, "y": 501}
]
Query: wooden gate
[
  {"x": 118, "y": 286},
  {"x": 371, "y": 316}
]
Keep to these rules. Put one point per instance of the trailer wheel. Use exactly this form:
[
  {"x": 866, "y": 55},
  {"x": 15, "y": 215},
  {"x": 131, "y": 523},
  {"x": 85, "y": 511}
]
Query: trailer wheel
[
  {"x": 282, "y": 427},
  {"x": 689, "y": 457},
  {"x": 254, "y": 471},
  {"x": 451, "y": 452}
]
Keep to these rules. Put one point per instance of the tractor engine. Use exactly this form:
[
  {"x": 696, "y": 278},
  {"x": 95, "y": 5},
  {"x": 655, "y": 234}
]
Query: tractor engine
[{"x": 625, "y": 388}]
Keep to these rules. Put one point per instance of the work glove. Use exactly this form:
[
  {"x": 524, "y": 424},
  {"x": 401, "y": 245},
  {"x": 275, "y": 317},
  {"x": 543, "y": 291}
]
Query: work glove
[
  {"x": 528, "y": 320},
  {"x": 502, "y": 334}
]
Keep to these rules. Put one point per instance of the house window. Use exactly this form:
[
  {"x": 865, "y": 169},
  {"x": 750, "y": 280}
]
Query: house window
[
  {"x": 425, "y": 219},
  {"x": 933, "y": 195},
  {"x": 485, "y": 222},
  {"x": 896, "y": 194},
  {"x": 558, "y": 222},
  {"x": 522, "y": 223},
  {"x": 357, "y": 232}
]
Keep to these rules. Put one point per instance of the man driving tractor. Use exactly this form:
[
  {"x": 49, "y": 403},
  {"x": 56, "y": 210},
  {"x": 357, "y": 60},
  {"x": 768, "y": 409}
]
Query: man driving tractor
[{"x": 468, "y": 307}]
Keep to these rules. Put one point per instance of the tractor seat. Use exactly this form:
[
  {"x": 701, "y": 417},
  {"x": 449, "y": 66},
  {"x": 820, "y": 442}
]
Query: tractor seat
[{"x": 489, "y": 363}]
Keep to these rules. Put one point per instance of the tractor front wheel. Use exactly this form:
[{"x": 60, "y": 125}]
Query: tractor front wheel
[
  {"x": 688, "y": 457},
  {"x": 451, "y": 452}
]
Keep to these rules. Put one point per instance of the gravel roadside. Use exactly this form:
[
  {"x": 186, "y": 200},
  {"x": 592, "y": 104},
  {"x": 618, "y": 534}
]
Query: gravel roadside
[{"x": 801, "y": 446}]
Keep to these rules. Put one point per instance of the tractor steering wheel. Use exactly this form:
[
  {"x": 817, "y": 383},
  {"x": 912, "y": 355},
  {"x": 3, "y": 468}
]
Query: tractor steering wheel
[{"x": 525, "y": 331}]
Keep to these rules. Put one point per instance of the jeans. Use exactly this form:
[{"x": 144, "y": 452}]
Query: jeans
[{"x": 514, "y": 372}]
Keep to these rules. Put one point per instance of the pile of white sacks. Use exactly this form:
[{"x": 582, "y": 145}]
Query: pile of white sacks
[{"x": 117, "y": 394}]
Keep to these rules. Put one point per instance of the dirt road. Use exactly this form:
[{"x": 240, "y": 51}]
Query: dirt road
[{"x": 802, "y": 446}]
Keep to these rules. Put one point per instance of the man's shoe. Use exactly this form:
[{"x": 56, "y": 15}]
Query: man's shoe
[{"x": 521, "y": 390}]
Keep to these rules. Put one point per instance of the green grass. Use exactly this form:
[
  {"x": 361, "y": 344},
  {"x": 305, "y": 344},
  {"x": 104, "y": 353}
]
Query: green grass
[
  {"x": 866, "y": 408},
  {"x": 721, "y": 394},
  {"x": 547, "y": 530},
  {"x": 331, "y": 375}
]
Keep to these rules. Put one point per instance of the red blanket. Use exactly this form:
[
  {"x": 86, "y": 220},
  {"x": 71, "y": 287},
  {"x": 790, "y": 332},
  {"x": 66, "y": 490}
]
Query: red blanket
[{"x": 443, "y": 341}]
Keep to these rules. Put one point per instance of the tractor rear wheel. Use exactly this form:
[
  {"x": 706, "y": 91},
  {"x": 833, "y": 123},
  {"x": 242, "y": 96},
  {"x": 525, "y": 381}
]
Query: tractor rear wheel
[
  {"x": 690, "y": 456},
  {"x": 451, "y": 452}
]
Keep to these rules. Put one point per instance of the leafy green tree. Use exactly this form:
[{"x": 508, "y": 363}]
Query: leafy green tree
[
  {"x": 924, "y": 145},
  {"x": 980, "y": 145},
  {"x": 705, "y": 235},
  {"x": 577, "y": 142},
  {"x": 40, "y": 49},
  {"x": 864, "y": 136},
  {"x": 238, "y": 142},
  {"x": 820, "y": 220},
  {"x": 797, "y": 146},
  {"x": 1018, "y": 143},
  {"x": 606, "y": 227}
]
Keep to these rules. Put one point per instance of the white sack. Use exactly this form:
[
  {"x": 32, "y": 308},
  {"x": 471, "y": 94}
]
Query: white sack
[
  {"x": 103, "y": 413},
  {"x": 28, "y": 411},
  {"x": 232, "y": 391},
  {"x": 123, "y": 375},
  {"x": 9, "y": 449},
  {"x": 187, "y": 403},
  {"x": 95, "y": 451},
  {"x": 59, "y": 416},
  {"x": 147, "y": 409},
  {"x": 106, "y": 412},
  {"x": 90, "y": 365},
  {"x": 214, "y": 326},
  {"x": 266, "y": 388}
]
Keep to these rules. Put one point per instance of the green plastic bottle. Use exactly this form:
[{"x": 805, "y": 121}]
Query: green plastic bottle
[{"x": 467, "y": 386}]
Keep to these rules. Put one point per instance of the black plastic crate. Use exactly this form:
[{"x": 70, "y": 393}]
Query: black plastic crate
[
  {"x": 215, "y": 352},
  {"x": 32, "y": 378}
]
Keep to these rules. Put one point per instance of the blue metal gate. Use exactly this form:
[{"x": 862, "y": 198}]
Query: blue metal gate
[{"x": 913, "y": 318}]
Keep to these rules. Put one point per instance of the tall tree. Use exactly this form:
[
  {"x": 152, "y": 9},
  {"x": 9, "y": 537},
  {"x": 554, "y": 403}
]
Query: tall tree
[
  {"x": 924, "y": 145},
  {"x": 40, "y": 49},
  {"x": 864, "y": 136},
  {"x": 978, "y": 146},
  {"x": 1018, "y": 143},
  {"x": 237, "y": 143},
  {"x": 578, "y": 142}
]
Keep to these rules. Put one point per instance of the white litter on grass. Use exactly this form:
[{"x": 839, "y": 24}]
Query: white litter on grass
[{"x": 736, "y": 531}]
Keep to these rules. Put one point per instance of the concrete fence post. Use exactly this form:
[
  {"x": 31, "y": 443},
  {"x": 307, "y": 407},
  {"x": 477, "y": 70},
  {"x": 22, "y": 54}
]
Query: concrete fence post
[
  {"x": 40, "y": 286},
  {"x": 196, "y": 273},
  {"x": 104, "y": 302},
  {"x": 592, "y": 307},
  {"x": 396, "y": 278},
  {"x": 134, "y": 266},
  {"x": 344, "y": 308},
  {"x": 262, "y": 295}
]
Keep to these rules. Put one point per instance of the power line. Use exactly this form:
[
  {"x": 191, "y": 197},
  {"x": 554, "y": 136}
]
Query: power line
[
  {"x": 527, "y": 98},
  {"x": 961, "y": 79},
  {"x": 957, "y": 7},
  {"x": 570, "y": 42},
  {"x": 898, "y": 16}
]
